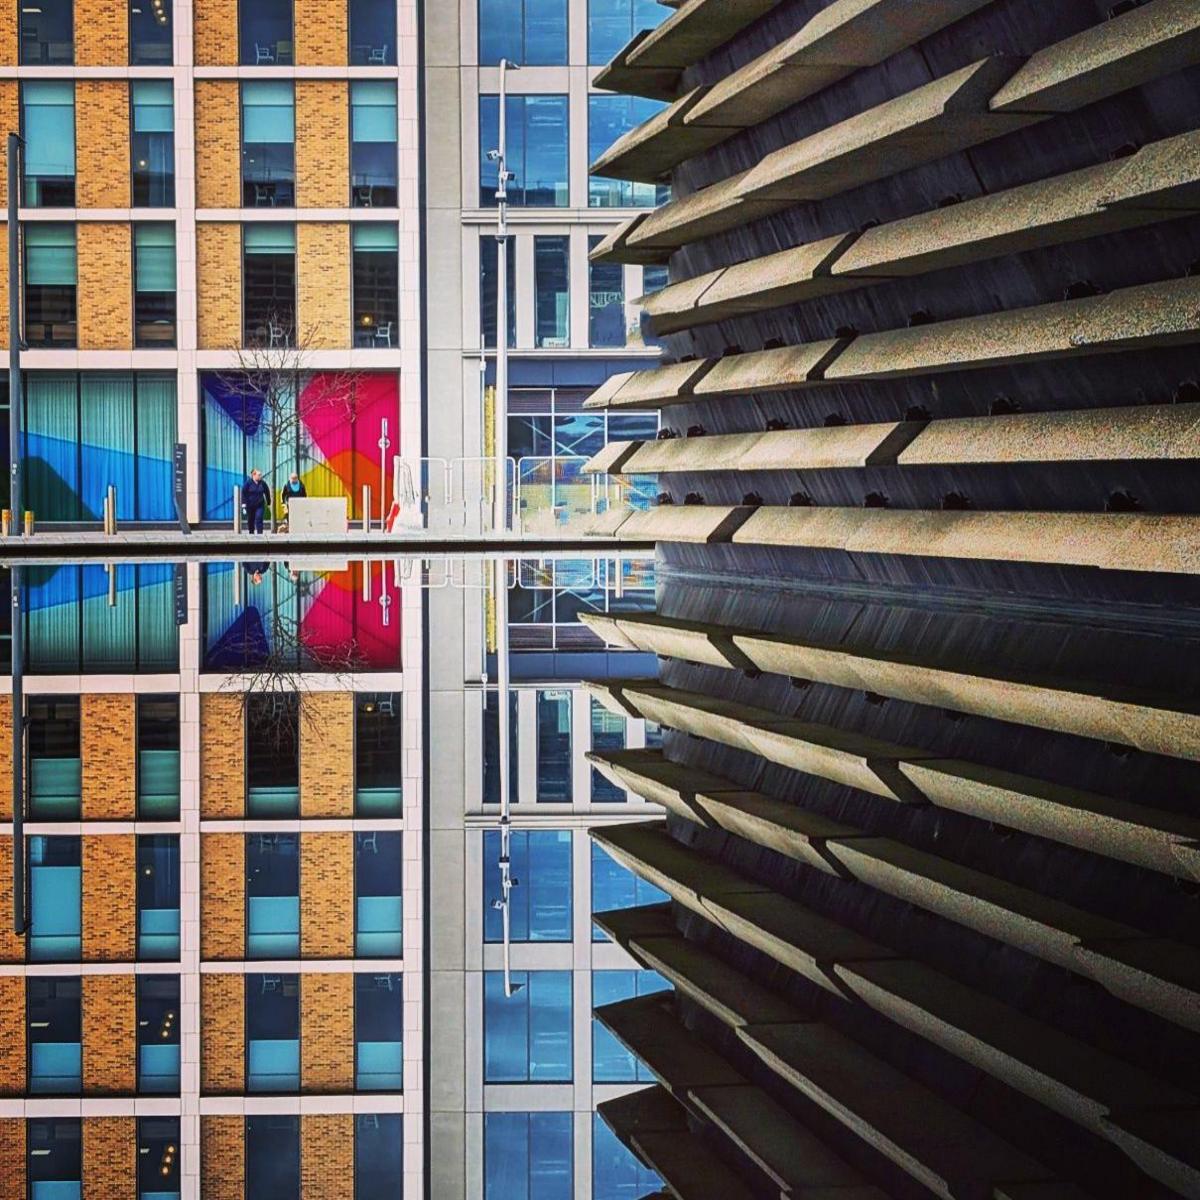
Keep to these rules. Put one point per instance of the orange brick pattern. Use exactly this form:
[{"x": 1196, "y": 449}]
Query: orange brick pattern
[
  {"x": 321, "y": 34},
  {"x": 10, "y": 118},
  {"x": 218, "y": 143},
  {"x": 223, "y": 1158},
  {"x": 12, "y": 1154},
  {"x": 6, "y": 742},
  {"x": 102, "y": 138},
  {"x": 219, "y": 274},
  {"x": 109, "y": 1035},
  {"x": 8, "y": 38},
  {"x": 323, "y": 284},
  {"x": 105, "y": 266},
  {"x": 215, "y": 28},
  {"x": 222, "y": 896},
  {"x": 101, "y": 34},
  {"x": 222, "y": 752},
  {"x": 327, "y": 754},
  {"x": 109, "y": 1157},
  {"x": 222, "y": 1034},
  {"x": 108, "y": 744},
  {"x": 322, "y": 143},
  {"x": 12, "y": 1043},
  {"x": 12, "y": 948},
  {"x": 327, "y": 1033},
  {"x": 327, "y": 1156},
  {"x": 109, "y": 903},
  {"x": 327, "y": 895}
]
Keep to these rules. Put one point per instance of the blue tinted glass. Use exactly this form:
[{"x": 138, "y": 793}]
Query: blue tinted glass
[
  {"x": 150, "y": 33},
  {"x": 379, "y": 903},
  {"x": 614, "y": 887},
  {"x": 527, "y": 1036},
  {"x": 48, "y": 116},
  {"x": 616, "y": 1173},
  {"x": 610, "y": 117},
  {"x": 55, "y": 1035},
  {"x": 47, "y": 33},
  {"x": 526, "y": 32},
  {"x": 540, "y": 908},
  {"x": 552, "y": 295},
  {"x": 272, "y": 1033},
  {"x": 500, "y": 31},
  {"x": 273, "y": 1157},
  {"x": 537, "y": 150},
  {"x": 606, "y": 301},
  {"x": 265, "y": 33},
  {"x": 379, "y": 1032},
  {"x": 372, "y": 33},
  {"x": 527, "y": 1156},
  {"x": 554, "y": 746},
  {"x": 158, "y": 897},
  {"x": 545, "y": 25},
  {"x": 608, "y": 733},
  {"x": 55, "y": 892},
  {"x": 54, "y": 1162},
  {"x": 613, "y": 23},
  {"x": 378, "y": 1155},
  {"x": 158, "y": 1034},
  {"x": 611, "y": 1062}
]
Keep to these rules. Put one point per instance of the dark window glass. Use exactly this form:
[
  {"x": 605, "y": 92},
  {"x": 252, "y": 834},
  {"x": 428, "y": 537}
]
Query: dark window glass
[
  {"x": 537, "y": 150},
  {"x": 378, "y": 755},
  {"x": 158, "y": 897},
  {"x": 610, "y": 117},
  {"x": 372, "y": 33},
  {"x": 540, "y": 904},
  {"x": 608, "y": 733},
  {"x": 273, "y": 1157},
  {"x": 527, "y": 1036},
  {"x": 55, "y": 889},
  {"x": 551, "y": 275},
  {"x": 158, "y": 757},
  {"x": 54, "y": 1156},
  {"x": 268, "y": 144},
  {"x": 616, "y": 1173},
  {"x": 150, "y": 32},
  {"x": 378, "y": 1155},
  {"x": 158, "y": 1158},
  {"x": 378, "y": 894},
  {"x": 488, "y": 282},
  {"x": 491, "y": 748},
  {"x": 554, "y": 746},
  {"x": 530, "y": 33},
  {"x": 613, "y": 23},
  {"x": 265, "y": 33},
  {"x": 154, "y": 284},
  {"x": 272, "y": 1036},
  {"x": 47, "y": 33},
  {"x": 373, "y": 155},
  {"x": 528, "y": 1156},
  {"x": 153, "y": 143},
  {"x": 48, "y": 126},
  {"x": 615, "y": 887},
  {"x": 54, "y": 760},
  {"x": 55, "y": 1051},
  {"x": 378, "y": 1033},
  {"x": 611, "y": 1062},
  {"x": 606, "y": 301},
  {"x": 158, "y": 1034},
  {"x": 376, "y": 286},
  {"x": 50, "y": 284},
  {"x": 273, "y": 755},
  {"x": 269, "y": 284},
  {"x": 272, "y": 895}
]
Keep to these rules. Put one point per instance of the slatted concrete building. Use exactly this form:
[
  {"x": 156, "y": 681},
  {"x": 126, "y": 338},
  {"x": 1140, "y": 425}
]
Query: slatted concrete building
[{"x": 927, "y": 621}]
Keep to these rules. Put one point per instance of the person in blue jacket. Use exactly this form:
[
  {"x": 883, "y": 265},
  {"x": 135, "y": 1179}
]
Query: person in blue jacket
[{"x": 256, "y": 495}]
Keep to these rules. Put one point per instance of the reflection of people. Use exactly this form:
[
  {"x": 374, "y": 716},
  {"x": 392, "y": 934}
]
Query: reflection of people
[
  {"x": 256, "y": 495},
  {"x": 256, "y": 570},
  {"x": 293, "y": 489}
]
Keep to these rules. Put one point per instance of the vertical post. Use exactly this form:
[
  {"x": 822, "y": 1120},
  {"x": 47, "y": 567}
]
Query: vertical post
[
  {"x": 14, "y": 331},
  {"x": 20, "y": 922},
  {"x": 507, "y": 883},
  {"x": 366, "y": 508},
  {"x": 237, "y": 508},
  {"x": 500, "y": 407},
  {"x": 384, "y": 443},
  {"x": 111, "y": 568}
]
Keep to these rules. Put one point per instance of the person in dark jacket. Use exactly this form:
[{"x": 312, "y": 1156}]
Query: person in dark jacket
[
  {"x": 293, "y": 489},
  {"x": 256, "y": 495}
]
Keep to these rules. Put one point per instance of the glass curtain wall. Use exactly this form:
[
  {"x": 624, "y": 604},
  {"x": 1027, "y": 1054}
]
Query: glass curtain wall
[
  {"x": 532, "y": 33},
  {"x": 537, "y": 150},
  {"x": 552, "y": 289},
  {"x": 613, "y": 23},
  {"x": 611, "y": 117}
]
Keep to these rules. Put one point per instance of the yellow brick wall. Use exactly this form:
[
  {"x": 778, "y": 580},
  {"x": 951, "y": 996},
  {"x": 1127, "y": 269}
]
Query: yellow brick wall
[
  {"x": 222, "y": 755},
  {"x": 109, "y": 1156},
  {"x": 109, "y": 877},
  {"x": 109, "y": 1035},
  {"x": 323, "y": 284},
  {"x": 105, "y": 265},
  {"x": 222, "y": 1034},
  {"x": 102, "y": 139},
  {"x": 327, "y": 1156},
  {"x": 8, "y": 38},
  {"x": 218, "y": 144},
  {"x": 12, "y": 1154},
  {"x": 321, "y": 34},
  {"x": 222, "y": 1157},
  {"x": 219, "y": 278},
  {"x": 222, "y": 896},
  {"x": 101, "y": 34},
  {"x": 12, "y": 1043},
  {"x": 108, "y": 744},
  {"x": 12, "y": 948},
  {"x": 327, "y": 895},
  {"x": 215, "y": 28},
  {"x": 327, "y": 1033},
  {"x": 327, "y": 754},
  {"x": 10, "y": 118},
  {"x": 322, "y": 143}
]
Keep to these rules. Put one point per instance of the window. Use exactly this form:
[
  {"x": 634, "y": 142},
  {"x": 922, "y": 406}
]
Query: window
[
  {"x": 372, "y": 34},
  {"x": 158, "y": 757},
  {"x": 491, "y": 747},
  {"x": 527, "y": 1036},
  {"x": 654, "y": 735},
  {"x": 54, "y": 1161},
  {"x": 528, "y": 1156},
  {"x": 265, "y": 33},
  {"x": 50, "y": 283},
  {"x": 268, "y": 144},
  {"x": 373, "y": 156},
  {"x": 48, "y": 120},
  {"x": 609, "y": 117},
  {"x": 158, "y": 1158},
  {"x": 379, "y": 903},
  {"x": 540, "y": 905},
  {"x": 615, "y": 887},
  {"x": 617, "y": 1174},
  {"x": 269, "y": 284},
  {"x": 378, "y": 1155},
  {"x": 608, "y": 733},
  {"x": 554, "y": 747},
  {"x": 158, "y": 897},
  {"x": 531, "y": 33},
  {"x": 54, "y": 762},
  {"x": 272, "y": 895},
  {"x": 606, "y": 301},
  {"x": 376, "y": 285},
  {"x": 52, "y": 1007},
  {"x": 158, "y": 1035},
  {"x": 153, "y": 148},
  {"x": 537, "y": 150},
  {"x": 272, "y": 755},
  {"x": 154, "y": 284},
  {"x": 378, "y": 755},
  {"x": 150, "y": 32},
  {"x": 273, "y": 1157},
  {"x": 488, "y": 282},
  {"x": 612, "y": 24},
  {"x": 611, "y": 1062},
  {"x": 48, "y": 33},
  {"x": 551, "y": 272},
  {"x": 378, "y": 1033},
  {"x": 272, "y": 1036}
]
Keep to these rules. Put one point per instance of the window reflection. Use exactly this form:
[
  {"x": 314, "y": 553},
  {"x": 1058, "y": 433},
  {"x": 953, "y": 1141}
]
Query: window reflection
[
  {"x": 273, "y": 1157},
  {"x": 527, "y": 1036},
  {"x": 616, "y": 887},
  {"x": 617, "y": 1174},
  {"x": 150, "y": 32},
  {"x": 540, "y": 907},
  {"x": 528, "y": 1156},
  {"x": 47, "y": 33},
  {"x": 372, "y": 33},
  {"x": 554, "y": 747},
  {"x": 531, "y": 33},
  {"x": 272, "y": 1037},
  {"x": 611, "y": 117},
  {"x": 611, "y": 1062},
  {"x": 265, "y": 33},
  {"x": 153, "y": 146},
  {"x": 537, "y": 150},
  {"x": 613, "y": 23}
]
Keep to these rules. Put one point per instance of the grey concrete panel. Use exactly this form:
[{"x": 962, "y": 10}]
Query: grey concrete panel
[
  {"x": 684, "y": 523},
  {"x": 695, "y": 29},
  {"x": 1165, "y": 1144}
]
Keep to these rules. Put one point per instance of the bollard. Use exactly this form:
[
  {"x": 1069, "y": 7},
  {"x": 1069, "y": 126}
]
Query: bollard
[
  {"x": 112, "y": 508},
  {"x": 29, "y": 522},
  {"x": 237, "y": 508},
  {"x": 6, "y": 522},
  {"x": 366, "y": 581},
  {"x": 112, "y": 584},
  {"x": 366, "y": 508},
  {"x": 106, "y": 509}
]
